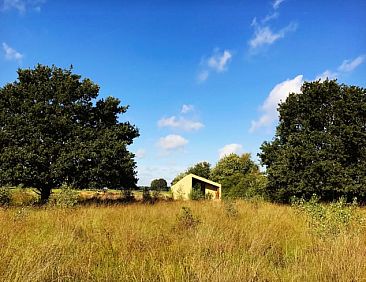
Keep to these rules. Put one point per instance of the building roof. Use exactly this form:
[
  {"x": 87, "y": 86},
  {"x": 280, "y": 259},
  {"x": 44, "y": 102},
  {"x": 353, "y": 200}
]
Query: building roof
[{"x": 203, "y": 180}]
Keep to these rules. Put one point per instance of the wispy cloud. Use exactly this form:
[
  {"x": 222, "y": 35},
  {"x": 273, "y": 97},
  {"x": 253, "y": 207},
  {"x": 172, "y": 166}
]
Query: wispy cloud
[
  {"x": 279, "y": 93},
  {"x": 22, "y": 6},
  {"x": 140, "y": 153},
  {"x": 218, "y": 62},
  {"x": 230, "y": 149},
  {"x": 327, "y": 74},
  {"x": 264, "y": 34},
  {"x": 172, "y": 142},
  {"x": 11, "y": 54},
  {"x": 350, "y": 65},
  {"x": 180, "y": 123},
  {"x": 202, "y": 76},
  {"x": 276, "y": 4},
  {"x": 346, "y": 67},
  {"x": 187, "y": 108}
]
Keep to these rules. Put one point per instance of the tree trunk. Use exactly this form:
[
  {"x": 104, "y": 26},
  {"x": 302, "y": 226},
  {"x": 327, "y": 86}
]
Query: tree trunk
[{"x": 45, "y": 195}]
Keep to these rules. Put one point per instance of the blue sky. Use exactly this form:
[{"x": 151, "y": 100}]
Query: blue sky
[{"x": 202, "y": 78}]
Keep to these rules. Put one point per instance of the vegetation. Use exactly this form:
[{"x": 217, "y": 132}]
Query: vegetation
[
  {"x": 175, "y": 241},
  {"x": 239, "y": 176},
  {"x": 159, "y": 185},
  {"x": 54, "y": 132},
  {"x": 320, "y": 144}
]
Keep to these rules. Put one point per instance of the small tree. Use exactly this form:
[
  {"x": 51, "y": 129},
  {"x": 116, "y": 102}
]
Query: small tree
[
  {"x": 239, "y": 176},
  {"x": 159, "y": 184},
  {"x": 54, "y": 132},
  {"x": 320, "y": 144}
]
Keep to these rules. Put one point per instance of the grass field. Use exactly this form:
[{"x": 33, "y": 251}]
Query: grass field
[{"x": 205, "y": 241}]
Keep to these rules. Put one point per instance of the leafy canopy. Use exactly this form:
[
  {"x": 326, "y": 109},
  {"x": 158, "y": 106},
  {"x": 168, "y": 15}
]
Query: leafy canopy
[
  {"x": 159, "y": 184},
  {"x": 320, "y": 144},
  {"x": 53, "y": 131},
  {"x": 239, "y": 176}
]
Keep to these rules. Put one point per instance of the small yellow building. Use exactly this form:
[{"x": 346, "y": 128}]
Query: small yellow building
[{"x": 183, "y": 188}]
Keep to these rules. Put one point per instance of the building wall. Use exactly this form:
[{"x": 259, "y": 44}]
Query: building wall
[{"x": 183, "y": 188}]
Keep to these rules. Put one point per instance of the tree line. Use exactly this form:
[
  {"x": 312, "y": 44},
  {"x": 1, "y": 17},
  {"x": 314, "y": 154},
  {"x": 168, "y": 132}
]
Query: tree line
[{"x": 54, "y": 131}]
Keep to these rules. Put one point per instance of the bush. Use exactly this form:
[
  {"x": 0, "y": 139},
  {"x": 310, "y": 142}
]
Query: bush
[
  {"x": 127, "y": 195},
  {"x": 5, "y": 196},
  {"x": 149, "y": 198},
  {"x": 196, "y": 193},
  {"x": 230, "y": 208},
  {"x": 186, "y": 219},
  {"x": 24, "y": 197},
  {"x": 66, "y": 198},
  {"x": 329, "y": 219}
]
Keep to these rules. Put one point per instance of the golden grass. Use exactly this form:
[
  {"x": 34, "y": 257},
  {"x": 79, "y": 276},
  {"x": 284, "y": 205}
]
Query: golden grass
[{"x": 137, "y": 242}]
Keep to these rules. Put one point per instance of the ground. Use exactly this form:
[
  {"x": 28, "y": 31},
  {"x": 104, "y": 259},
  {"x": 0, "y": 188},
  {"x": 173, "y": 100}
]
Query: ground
[{"x": 174, "y": 241}]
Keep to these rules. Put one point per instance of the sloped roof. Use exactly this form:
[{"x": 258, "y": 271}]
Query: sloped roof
[{"x": 204, "y": 180}]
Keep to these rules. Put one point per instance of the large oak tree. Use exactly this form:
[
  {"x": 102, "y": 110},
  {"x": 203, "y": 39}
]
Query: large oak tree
[
  {"x": 54, "y": 131},
  {"x": 320, "y": 144}
]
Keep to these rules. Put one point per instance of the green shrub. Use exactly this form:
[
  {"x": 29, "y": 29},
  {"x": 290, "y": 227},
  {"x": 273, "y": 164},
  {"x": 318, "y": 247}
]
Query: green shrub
[
  {"x": 5, "y": 196},
  {"x": 329, "y": 219},
  {"x": 66, "y": 198},
  {"x": 230, "y": 209},
  {"x": 196, "y": 193},
  {"x": 24, "y": 197},
  {"x": 186, "y": 219},
  {"x": 148, "y": 197}
]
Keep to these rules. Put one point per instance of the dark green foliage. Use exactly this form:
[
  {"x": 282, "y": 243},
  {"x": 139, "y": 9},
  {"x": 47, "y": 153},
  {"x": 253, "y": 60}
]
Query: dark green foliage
[
  {"x": 159, "y": 185},
  {"x": 5, "y": 196},
  {"x": 146, "y": 196},
  {"x": 197, "y": 193},
  {"x": 320, "y": 144},
  {"x": 202, "y": 169},
  {"x": 239, "y": 176},
  {"x": 53, "y": 131}
]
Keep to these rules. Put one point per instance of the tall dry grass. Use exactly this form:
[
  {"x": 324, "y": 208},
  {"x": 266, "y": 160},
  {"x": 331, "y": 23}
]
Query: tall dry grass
[{"x": 211, "y": 241}]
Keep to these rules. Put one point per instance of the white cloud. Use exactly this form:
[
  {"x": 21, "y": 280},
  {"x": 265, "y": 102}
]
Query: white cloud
[
  {"x": 172, "y": 142},
  {"x": 279, "y": 93},
  {"x": 181, "y": 123},
  {"x": 218, "y": 61},
  {"x": 230, "y": 149},
  {"x": 276, "y": 4},
  {"x": 140, "y": 153},
  {"x": 270, "y": 17},
  {"x": 202, "y": 76},
  {"x": 346, "y": 66},
  {"x": 11, "y": 54},
  {"x": 263, "y": 35},
  {"x": 21, "y": 5},
  {"x": 350, "y": 65},
  {"x": 187, "y": 108},
  {"x": 328, "y": 74}
]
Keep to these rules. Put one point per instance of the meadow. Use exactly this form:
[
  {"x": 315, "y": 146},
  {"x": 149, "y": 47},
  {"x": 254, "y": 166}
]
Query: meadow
[{"x": 180, "y": 241}]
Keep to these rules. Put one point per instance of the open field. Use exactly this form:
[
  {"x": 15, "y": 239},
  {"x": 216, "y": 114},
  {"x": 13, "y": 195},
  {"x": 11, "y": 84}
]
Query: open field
[{"x": 206, "y": 241}]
